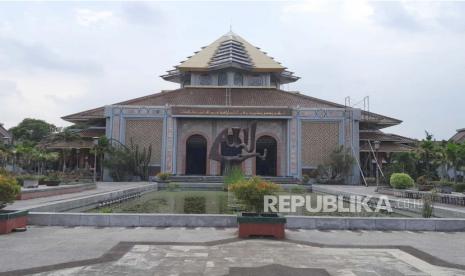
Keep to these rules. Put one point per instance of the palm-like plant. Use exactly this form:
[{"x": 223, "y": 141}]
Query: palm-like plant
[{"x": 428, "y": 155}]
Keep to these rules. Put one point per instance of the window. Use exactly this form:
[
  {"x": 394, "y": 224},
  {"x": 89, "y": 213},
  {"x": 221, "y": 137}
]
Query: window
[
  {"x": 238, "y": 79},
  {"x": 255, "y": 80},
  {"x": 205, "y": 79},
  {"x": 222, "y": 79},
  {"x": 187, "y": 80}
]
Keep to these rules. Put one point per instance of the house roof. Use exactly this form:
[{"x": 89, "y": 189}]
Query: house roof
[
  {"x": 238, "y": 97},
  {"x": 230, "y": 48},
  {"x": 388, "y": 147},
  {"x": 4, "y": 134},
  {"x": 377, "y": 135},
  {"x": 389, "y": 142},
  {"x": 459, "y": 137},
  {"x": 77, "y": 144}
]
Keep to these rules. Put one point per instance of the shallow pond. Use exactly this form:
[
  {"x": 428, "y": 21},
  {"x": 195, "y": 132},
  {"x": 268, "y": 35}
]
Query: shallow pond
[{"x": 205, "y": 202}]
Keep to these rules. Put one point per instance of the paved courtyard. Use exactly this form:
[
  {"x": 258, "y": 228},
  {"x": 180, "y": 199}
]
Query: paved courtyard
[{"x": 210, "y": 251}]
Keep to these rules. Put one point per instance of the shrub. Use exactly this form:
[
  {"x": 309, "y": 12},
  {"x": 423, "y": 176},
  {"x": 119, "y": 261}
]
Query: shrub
[
  {"x": 305, "y": 179},
  {"x": 235, "y": 175},
  {"x": 460, "y": 187},
  {"x": 298, "y": 190},
  {"x": 251, "y": 192},
  {"x": 401, "y": 181},
  {"x": 163, "y": 176},
  {"x": 422, "y": 180},
  {"x": 120, "y": 162},
  {"x": 195, "y": 205},
  {"x": 427, "y": 210},
  {"x": 9, "y": 189},
  {"x": 105, "y": 210}
]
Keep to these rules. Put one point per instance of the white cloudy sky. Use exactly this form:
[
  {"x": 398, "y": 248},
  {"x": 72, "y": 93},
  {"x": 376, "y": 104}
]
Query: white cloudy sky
[{"x": 409, "y": 57}]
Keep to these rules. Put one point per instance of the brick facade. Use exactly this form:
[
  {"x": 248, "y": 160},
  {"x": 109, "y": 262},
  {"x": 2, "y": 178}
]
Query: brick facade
[
  {"x": 144, "y": 133},
  {"x": 318, "y": 140}
]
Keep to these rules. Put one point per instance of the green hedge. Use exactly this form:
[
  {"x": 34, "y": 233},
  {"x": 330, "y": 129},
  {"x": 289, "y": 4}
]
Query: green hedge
[
  {"x": 459, "y": 187},
  {"x": 401, "y": 181}
]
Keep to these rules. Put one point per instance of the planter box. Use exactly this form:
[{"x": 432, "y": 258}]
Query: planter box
[
  {"x": 446, "y": 189},
  {"x": 28, "y": 183},
  {"x": 424, "y": 188},
  {"x": 51, "y": 182},
  {"x": 10, "y": 220},
  {"x": 253, "y": 224}
]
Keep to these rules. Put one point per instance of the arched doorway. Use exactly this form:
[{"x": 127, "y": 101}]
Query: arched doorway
[
  {"x": 267, "y": 167},
  {"x": 196, "y": 155}
]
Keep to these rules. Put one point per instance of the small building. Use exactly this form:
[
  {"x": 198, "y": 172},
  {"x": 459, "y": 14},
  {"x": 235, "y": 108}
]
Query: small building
[
  {"x": 231, "y": 83},
  {"x": 458, "y": 137},
  {"x": 5, "y": 136}
]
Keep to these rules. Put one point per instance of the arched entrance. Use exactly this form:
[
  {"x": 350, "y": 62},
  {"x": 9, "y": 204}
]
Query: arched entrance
[
  {"x": 267, "y": 167},
  {"x": 196, "y": 155}
]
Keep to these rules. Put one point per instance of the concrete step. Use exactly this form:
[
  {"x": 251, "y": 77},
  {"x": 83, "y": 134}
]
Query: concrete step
[{"x": 220, "y": 179}]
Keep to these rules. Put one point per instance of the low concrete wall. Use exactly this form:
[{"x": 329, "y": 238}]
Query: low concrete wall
[
  {"x": 400, "y": 205},
  {"x": 127, "y": 220},
  {"x": 91, "y": 201},
  {"x": 376, "y": 223},
  {"x": 207, "y": 220},
  {"x": 53, "y": 191}
]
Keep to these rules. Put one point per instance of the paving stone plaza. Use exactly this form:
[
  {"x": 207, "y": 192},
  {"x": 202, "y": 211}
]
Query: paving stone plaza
[
  {"x": 96, "y": 250},
  {"x": 210, "y": 251}
]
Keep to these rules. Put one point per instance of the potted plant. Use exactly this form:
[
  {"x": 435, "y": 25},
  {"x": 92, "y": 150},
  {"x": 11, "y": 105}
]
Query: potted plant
[
  {"x": 52, "y": 180},
  {"x": 10, "y": 219},
  {"x": 422, "y": 183},
  {"x": 163, "y": 177},
  {"x": 254, "y": 222},
  {"x": 30, "y": 181},
  {"x": 305, "y": 179},
  {"x": 446, "y": 187}
]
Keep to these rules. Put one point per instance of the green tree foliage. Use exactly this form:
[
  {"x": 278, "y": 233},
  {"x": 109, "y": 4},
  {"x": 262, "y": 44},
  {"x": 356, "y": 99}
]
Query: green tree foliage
[
  {"x": 428, "y": 157},
  {"x": 402, "y": 162},
  {"x": 119, "y": 161},
  {"x": 339, "y": 164},
  {"x": 32, "y": 130},
  {"x": 125, "y": 162},
  {"x": 141, "y": 159}
]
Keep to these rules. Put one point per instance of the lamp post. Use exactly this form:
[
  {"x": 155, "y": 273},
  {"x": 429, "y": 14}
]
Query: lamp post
[
  {"x": 377, "y": 144},
  {"x": 95, "y": 142},
  {"x": 14, "y": 160}
]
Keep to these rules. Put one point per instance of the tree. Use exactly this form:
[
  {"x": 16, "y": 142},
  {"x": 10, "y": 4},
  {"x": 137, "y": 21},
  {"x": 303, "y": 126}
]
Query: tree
[
  {"x": 442, "y": 159},
  {"x": 455, "y": 157},
  {"x": 32, "y": 130},
  {"x": 428, "y": 156},
  {"x": 339, "y": 165}
]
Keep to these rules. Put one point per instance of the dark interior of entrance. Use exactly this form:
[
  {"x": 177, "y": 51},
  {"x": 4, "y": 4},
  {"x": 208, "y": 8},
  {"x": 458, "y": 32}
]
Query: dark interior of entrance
[
  {"x": 196, "y": 155},
  {"x": 268, "y": 166}
]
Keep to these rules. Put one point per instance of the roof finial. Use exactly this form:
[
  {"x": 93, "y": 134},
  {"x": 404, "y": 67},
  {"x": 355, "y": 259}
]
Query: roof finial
[{"x": 230, "y": 26}]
